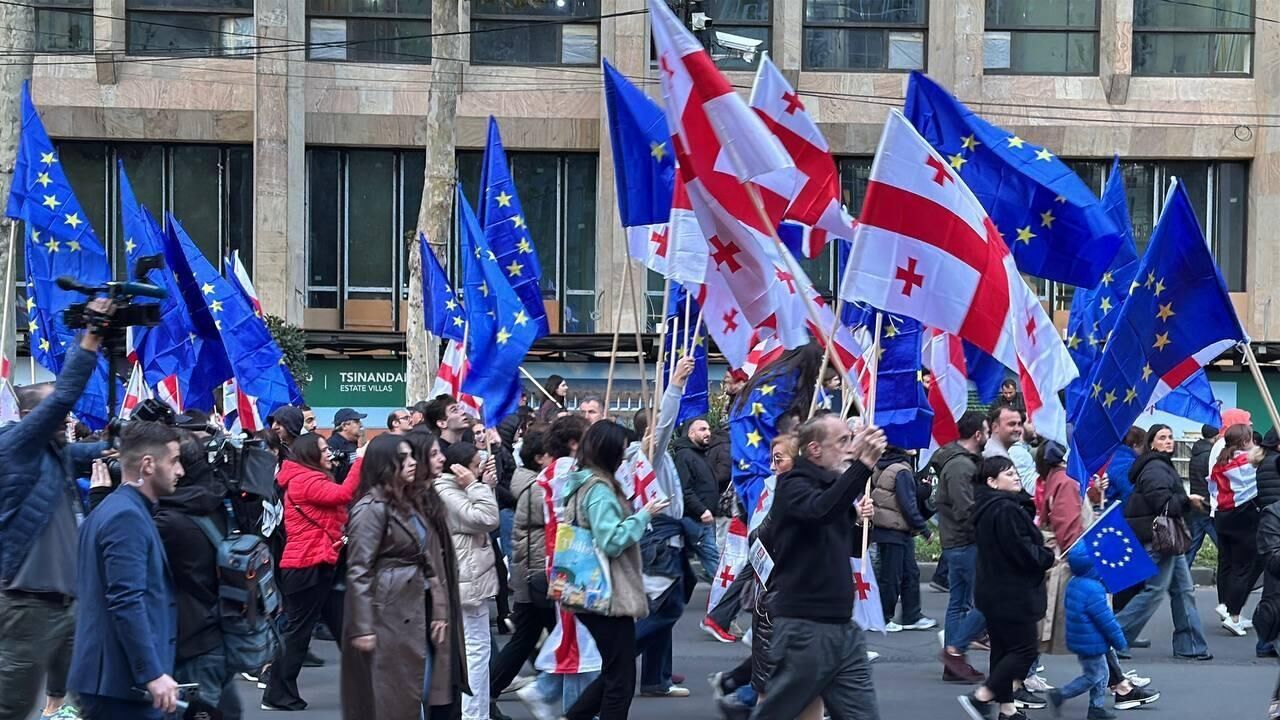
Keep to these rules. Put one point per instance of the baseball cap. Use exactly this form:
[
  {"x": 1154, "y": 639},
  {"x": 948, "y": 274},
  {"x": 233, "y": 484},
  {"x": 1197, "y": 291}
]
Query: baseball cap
[{"x": 346, "y": 414}]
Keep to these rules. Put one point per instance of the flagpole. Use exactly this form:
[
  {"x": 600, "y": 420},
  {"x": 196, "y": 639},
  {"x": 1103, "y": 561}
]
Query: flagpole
[
  {"x": 676, "y": 348},
  {"x": 617, "y": 331},
  {"x": 869, "y": 419},
  {"x": 629, "y": 281},
  {"x": 537, "y": 384},
  {"x": 6, "y": 318},
  {"x": 662, "y": 351},
  {"x": 688, "y": 336},
  {"x": 1256, "y": 371},
  {"x": 826, "y": 356}
]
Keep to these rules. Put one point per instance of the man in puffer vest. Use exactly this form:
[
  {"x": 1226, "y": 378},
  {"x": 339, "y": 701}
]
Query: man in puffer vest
[{"x": 897, "y": 522}]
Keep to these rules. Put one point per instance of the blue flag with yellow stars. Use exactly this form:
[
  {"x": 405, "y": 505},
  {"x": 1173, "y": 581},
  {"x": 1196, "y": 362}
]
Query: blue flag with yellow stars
[
  {"x": 507, "y": 234},
  {"x": 443, "y": 315},
  {"x": 1094, "y": 312},
  {"x": 753, "y": 425},
  {"x": 644, "y": 166},
  {"x": 501, "y": 331},
  {"x": 170, "y": 348},
  {"x": 902, "y": 404},
  {"x": 1116, "y": 552},
  {"x": 1177, "y": 318},
  {"x": 226, "y": 321},
  {"x": 1051, "y": 221},
  {"x": 696, "y": 401},
  {"x": 59, "y": 241}
]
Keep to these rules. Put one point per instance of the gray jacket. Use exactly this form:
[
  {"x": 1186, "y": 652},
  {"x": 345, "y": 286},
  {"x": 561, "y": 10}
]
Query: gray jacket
[
  {"x": 528, "y": 534},
  {"x": 955, "y": 500}
]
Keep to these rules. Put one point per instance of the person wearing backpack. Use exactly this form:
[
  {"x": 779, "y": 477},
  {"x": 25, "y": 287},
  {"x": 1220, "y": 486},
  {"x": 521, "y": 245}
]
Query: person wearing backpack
[{"x": 194, "y": 562}]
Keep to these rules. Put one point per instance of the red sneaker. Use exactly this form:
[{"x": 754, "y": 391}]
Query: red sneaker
[{"x": 713, "y": 629}]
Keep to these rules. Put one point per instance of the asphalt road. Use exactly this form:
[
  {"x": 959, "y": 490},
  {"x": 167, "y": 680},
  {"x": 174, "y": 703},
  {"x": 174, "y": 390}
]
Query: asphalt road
[{"x": 1234, "y": 686}]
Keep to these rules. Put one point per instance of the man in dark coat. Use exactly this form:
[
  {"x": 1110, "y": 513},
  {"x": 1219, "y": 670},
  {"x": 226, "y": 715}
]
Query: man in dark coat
[
  {"x": 957, "y": 465},
  {"x": 701, "y": 496}
]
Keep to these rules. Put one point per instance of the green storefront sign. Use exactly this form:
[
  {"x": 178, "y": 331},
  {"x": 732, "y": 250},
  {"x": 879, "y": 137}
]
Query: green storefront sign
[{"x": 356, "y": 383}]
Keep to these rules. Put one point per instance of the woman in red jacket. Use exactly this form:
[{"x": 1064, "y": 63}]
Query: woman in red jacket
[{"x": 315, "y": 519}]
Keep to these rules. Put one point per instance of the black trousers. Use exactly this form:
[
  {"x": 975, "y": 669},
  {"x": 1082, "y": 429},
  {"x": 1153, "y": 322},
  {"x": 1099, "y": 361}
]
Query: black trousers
[
  {"x": 1238, "y": 564},
  {"x": 610, "y": 699},
  {"x": 1014, "y": 648},
  {"x": 530, "y": 621},
  {"x": 305, "y": 604},
  {"x": 899, "y": 576}
]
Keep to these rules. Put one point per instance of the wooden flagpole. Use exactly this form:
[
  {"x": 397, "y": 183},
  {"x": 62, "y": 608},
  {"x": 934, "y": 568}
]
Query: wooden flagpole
[
  {"x": 826, "y": 358},
  {"x": 1256, "y": 371},
  {"x": 617, "y": 331},
  {"x": 640, "y": 324},
  {"x": 537, "y": 384},
  {"x": 688, "y": 336},
  {"x": 869, "y": 418},
  {"x": 10, "y": 298},
  {"x": 662, "y": 351}
]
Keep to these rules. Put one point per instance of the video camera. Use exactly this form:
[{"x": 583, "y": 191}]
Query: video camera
[{"x": 127, "y": 313}]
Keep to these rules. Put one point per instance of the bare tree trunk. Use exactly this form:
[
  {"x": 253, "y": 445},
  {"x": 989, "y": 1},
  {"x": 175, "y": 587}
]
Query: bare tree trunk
[
  {"x": 17, "y": 34},
  {"x": 438, "y": 182}
]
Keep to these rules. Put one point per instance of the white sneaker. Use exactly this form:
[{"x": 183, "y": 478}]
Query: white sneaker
[
  {"x": 872, "y": 656},
  {"x": 892, "y": 627},
  {"x": 1136, "y": 680},
  {"x": 1222, "y": 612},
  {"x": 1035, "y": 683},
  {"x": 1235, "y": 627},
  {"x": 535, "y": 703},
  {"x": 1246, "y": 623},
  {"x": 520, "y": 681},
  {"x": 923, "y": 623}
]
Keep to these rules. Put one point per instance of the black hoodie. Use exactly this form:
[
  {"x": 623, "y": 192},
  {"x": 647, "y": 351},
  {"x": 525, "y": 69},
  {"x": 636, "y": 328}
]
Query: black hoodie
[
  {"x": 700, "y": 490},
  {"x": 1156, "y": 487},
  {"x": 1012, "y": 558},
  {"x": 193, "y": 559}
]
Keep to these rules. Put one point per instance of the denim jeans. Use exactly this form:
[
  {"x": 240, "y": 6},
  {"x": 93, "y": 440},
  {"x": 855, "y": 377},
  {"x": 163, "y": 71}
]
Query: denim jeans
[
  {"x": 216, "y": 680},
  {"x": 1173, "y": 577},
  {"x": 964, "y": 621},
  {"x": 708, "y": 554},
  {"x": 566, "y": 688},
  {"x": 506, "y": 523},
  {"x": 1093, "y": 679},
  {"x": 653, "y": 638},
  {"x": 1200, "y": 525}
]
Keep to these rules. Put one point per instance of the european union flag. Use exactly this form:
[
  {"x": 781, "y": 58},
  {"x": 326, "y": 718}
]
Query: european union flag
[
  {"x": 753, "y": 425},
  {"x": 902, "y": 403},
  {"x": 696, "y": 400},
  {"x": 442, "y": 313},
  {"x": 226, "y": 321},
  {"x": 1051, "y": 221},
  {"x": 644, "y": 165},
  {"x": 1117, "y": 554},
  {"x": 1177, "y": 318},
  {"x": 507, "y": 234},
  {"x": 59, "y": 242},
  {"x": 501, "y": 330},
  {"x": 1094, "y": 313}
]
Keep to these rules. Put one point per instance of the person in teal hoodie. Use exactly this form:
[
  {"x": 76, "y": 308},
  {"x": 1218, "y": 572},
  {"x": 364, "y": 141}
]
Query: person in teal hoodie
[
  {"x": 594, "y": 500},
  {"x": 1092, "y": 632}
]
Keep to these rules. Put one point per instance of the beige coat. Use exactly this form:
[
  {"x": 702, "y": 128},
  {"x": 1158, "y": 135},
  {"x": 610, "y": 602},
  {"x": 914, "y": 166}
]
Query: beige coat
[
  {"x": 529, "y": 533},
  {"x": 472, "y": 514}
]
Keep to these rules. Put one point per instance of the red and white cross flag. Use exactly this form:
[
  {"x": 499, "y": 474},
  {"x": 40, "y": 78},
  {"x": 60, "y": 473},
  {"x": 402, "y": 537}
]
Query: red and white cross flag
[
  {"x": 453, "y": 370},
  {"x": 733, "y": 560},
  {"x": 242, "y": 276},
  {"x": 924, "y": 247},
  {"x": 170, "y": 392},
  {"x": 135, "y": 392},
  {"x": 639, "y": 481},
  {"x": 815, "y": 202},
  {"x": 943, "y": 355},
  {"x": 675, "y": 249},
  {"x": 867, "y": 610}
]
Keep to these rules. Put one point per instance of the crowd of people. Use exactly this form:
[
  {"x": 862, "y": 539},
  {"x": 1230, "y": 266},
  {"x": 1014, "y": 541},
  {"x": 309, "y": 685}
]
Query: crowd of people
[{"x": 415, "y": 547}]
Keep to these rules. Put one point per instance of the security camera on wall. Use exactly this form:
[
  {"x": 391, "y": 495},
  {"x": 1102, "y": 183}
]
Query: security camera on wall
[{"x": 740, "y": 44}]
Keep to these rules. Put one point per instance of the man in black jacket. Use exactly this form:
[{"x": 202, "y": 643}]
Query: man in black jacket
[
  {"x": 701, "y": 497},
  {"x": 1199, "y": 523},
  {"x": 813, "y": 533}
]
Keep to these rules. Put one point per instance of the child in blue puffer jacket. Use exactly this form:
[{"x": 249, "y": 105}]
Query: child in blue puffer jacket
[{"x": 1092, "y": 631}]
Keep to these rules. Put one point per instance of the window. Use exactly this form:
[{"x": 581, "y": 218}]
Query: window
[
  {"x": 376, "y": 31},
  {"x": 558, "y": 195},
  {"x": 1207, "y": 37},
  {"x": 1041, "y": 37},
  {"x": 64, "y": 26},
  {"x": 740, "y": 32},
  {"x": 190, "y": 27},
  {"x": 533, "y": 32},
  {"x": 209, "y": 188},
  {"x": 865, "y": 35}
]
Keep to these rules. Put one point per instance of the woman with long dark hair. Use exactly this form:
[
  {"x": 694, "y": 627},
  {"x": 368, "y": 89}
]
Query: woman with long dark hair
[
  {"x": 594, "y": 500},
  {"x": 385, "y": 644},
  {"x": 550, "y": 409},
  {"x": 315, "y": 517},
  {"x": 1158, "y": 491},
  {"x": 1234, "y": 490}
]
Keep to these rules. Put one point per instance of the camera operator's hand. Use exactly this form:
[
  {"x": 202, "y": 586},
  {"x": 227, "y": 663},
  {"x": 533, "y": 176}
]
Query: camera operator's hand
[
  {"x": 90, "y": 340},
  {"x": 164, "y": 694}
]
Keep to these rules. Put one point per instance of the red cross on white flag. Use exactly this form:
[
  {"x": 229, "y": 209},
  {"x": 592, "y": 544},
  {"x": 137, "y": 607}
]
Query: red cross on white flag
[
  {"x": 453, "y": 370},
  {"x": 867, "y": 610},
  {"x": 732, "y": 562},
  {"x": 135, "y": 392},
  {"x": 675, "y": 249},
  {"x": 924, "y": 247}
]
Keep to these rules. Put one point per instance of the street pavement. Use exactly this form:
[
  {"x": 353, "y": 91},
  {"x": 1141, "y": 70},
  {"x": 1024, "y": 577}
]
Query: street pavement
[{"x": 1234, "y": 686}]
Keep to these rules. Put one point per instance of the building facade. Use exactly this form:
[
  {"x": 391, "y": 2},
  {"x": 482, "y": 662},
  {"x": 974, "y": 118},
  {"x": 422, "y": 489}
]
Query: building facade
[{"x": 292, "y": 130}]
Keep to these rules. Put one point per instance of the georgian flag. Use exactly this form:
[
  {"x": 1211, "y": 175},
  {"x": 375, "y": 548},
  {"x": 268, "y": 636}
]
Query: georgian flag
[
  {"x": 241, "y": 276},
  {"x": 815, "y": 205},
  {"x": 867, "y": 610},
  {"x": 453, "y": 370},
  {"x": 639, "y": 481},
  {"x": 924, "y": 247},
  {"x": 675, "y": 249},
  {"x": 733, "y": 560},
  {"x": 949, "y": 390},
  {"x": 135, "y": 392},
  {"x": 569, "y": 649},
  {"x": 170, "y": 392}
]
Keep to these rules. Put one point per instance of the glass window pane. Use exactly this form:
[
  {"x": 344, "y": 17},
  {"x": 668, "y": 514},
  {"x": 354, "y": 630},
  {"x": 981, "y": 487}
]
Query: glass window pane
[
  {"x": 1191, "y": 53},
  {"x": 195, "y": 196},
  {"x": 238, "y": 36},
  {"x": 1047, "y": 52},
  {"x": 85, "y": 164},
  {"x": 739, "y": 48},
  {"x": 866, "y": 11},
  {"x": 163, "y": 33},
  {"x": 328, "y": 39},
  {"x": 1042, "y": 13},
  {"x": 1198, "y": 14},
  {"x": 412, "y": 165},
  {"x": 581, "y": 44},
  {"x": 239, "y": 203},
  {"x": 61, "y": 31},
  {"x": 513, "y": 43},
  {"x": 906, "y": 50},
  {"x": 323, "y": 217},
  {"x": 370, "y": 233},
  {"x": 536, "y": 179},
  {"x": 1194, "y": 176},
  {"x": 211, "y": 5},
  {"x": 837, "y": 49},
  {"x": 1230, "y": 209},
  {"x": 145, "y": 166},
  {"x": 579, "y": 313},
  {"x": 855, "y": 173},
  {"x": 391, "y": 41},
  {"x": 729, "y": 11},
  {"x": 580, "y": 223},
  {"x": 560, "y": 8},
  {"x": 1140, "y": 190}
]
